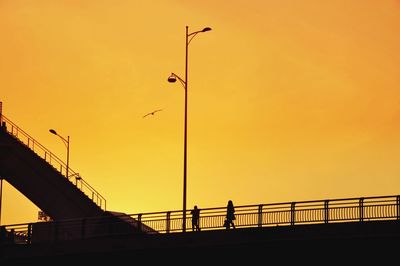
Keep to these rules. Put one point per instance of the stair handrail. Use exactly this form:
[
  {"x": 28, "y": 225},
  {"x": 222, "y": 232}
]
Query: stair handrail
[{"x": 52, "y": 159}]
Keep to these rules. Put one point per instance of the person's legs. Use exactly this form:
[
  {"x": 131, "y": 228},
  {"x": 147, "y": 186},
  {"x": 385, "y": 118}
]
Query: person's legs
[{"x": 226, "y": 224}]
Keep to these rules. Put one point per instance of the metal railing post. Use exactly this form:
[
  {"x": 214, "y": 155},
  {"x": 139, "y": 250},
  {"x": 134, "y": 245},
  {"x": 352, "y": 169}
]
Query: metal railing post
[
  {"x": 260, "y": 222},
  {"x": 361, "y": 209},
  {"x": 326, "y": 211},
  {"x": 292, "y": 213},
  {"x": 168, "y": 222},
  {"x": 140, "y": 222}
]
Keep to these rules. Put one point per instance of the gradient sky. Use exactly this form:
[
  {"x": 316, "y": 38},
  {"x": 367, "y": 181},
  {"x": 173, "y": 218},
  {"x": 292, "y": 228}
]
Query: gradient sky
[{"x": 287, "y": 100}]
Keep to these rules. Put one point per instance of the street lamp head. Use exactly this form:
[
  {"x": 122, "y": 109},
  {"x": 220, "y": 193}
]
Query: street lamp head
[
  {"x": 52, "y": 131},
  {"x": 206, "y": 29},
  {"x": 172, "y": 79}
]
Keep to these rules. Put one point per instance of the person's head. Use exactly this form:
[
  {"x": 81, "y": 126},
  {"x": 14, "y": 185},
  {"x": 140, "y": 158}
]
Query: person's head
[
  {"x": 195, "y": 206},
  {"x": 230, "y": 202}
]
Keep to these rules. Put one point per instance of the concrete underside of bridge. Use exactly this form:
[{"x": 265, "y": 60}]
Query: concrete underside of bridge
[{"x": 324, "y": 243}]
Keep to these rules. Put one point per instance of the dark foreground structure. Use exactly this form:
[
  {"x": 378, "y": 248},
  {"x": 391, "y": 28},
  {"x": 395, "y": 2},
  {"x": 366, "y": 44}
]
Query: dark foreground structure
[{"x": 322, "y": 244}]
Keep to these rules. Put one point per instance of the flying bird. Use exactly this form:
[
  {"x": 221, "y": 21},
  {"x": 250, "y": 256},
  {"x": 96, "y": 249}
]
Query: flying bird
[{"x": 152, "y": 113}]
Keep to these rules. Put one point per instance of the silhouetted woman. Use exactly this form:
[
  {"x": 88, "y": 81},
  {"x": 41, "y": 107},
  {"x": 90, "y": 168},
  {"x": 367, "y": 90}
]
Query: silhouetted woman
[{"x": 230, "y": 215}]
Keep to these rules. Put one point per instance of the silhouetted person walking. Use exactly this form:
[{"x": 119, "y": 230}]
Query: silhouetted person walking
[
  {"x": 195, "y": 218},
  {"x": 230, "y": 215}
]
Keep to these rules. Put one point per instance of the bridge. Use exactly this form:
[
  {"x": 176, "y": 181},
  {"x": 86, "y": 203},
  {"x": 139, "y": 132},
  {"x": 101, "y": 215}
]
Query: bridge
[
  {"x": 362, "y": 229},
  {"x": 354, "y": 229}
]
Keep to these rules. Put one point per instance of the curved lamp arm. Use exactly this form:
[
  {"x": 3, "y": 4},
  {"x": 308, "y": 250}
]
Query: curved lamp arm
[
  {"x": 172, "y": 78},
  {"x": 66, "y": 142},
  {"x": 191, "y": 35}
]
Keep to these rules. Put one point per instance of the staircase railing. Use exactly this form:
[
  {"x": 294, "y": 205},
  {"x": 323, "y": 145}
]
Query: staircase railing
[{"x": 53, "y": 160}]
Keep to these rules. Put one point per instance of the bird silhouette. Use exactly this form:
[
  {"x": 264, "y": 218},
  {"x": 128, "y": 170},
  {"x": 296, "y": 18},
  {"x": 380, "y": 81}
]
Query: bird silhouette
[{"x": 152, "y": 113}]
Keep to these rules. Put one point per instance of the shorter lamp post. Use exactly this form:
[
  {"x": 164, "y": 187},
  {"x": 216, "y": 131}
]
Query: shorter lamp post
[{"x": 66, "y": 143}]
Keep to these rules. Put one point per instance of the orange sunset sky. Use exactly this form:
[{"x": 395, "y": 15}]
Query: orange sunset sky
[{"x": 287, "y": 100}]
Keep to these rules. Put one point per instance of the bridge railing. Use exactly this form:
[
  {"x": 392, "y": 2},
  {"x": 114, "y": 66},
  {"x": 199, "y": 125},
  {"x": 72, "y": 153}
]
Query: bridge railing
[
  {"x": 362, "y": 209},
  {"x": 53, "y": 160},
  {"x": 280, "y": 214}
]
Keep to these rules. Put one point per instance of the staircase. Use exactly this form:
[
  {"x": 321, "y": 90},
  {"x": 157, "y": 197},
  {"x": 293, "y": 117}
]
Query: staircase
[
  {"x": 75, "y": 208},
  {"x": 41, "y": 176}
]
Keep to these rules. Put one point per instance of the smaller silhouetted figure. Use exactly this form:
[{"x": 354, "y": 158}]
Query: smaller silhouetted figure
[
  {"x": 195, "y": 218},
  {"x": 230, "y": 215}
]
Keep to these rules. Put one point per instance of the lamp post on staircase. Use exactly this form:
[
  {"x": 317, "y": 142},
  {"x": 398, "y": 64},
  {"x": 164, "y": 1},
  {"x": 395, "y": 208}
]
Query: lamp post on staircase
[{"x": 66, "y": 142}]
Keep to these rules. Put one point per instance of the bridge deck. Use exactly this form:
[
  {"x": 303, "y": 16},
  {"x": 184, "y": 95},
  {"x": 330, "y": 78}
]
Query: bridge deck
[{"x": 355, "y": 241}]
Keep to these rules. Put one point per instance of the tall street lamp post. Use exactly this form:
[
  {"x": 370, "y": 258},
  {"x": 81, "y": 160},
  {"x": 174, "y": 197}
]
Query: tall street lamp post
[
  {"x": 66, "y": 143},
  {"x": 172, "y": 78}
]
